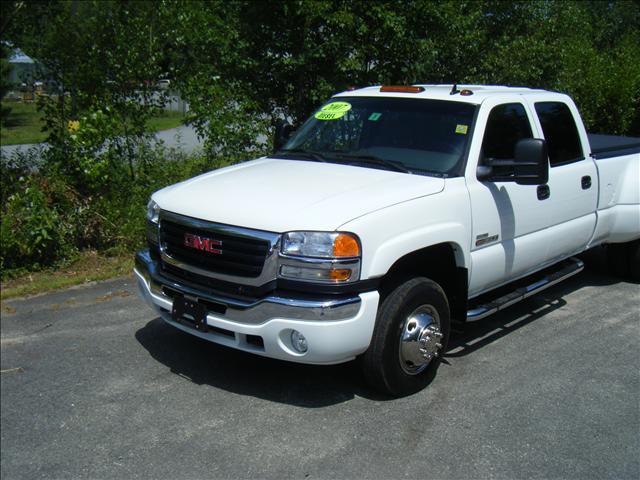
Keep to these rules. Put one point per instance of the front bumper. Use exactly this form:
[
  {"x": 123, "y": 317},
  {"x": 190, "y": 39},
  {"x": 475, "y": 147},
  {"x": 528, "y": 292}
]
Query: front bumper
[{"x": 336, "y": 329}]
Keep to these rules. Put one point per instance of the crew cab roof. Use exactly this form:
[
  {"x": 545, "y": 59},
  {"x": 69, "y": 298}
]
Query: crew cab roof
[{"x": 443, "y": 92}]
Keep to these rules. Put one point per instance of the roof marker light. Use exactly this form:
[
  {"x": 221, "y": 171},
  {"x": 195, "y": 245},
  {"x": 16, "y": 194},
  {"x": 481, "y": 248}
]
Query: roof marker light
[{"x": 401, "y": 89}]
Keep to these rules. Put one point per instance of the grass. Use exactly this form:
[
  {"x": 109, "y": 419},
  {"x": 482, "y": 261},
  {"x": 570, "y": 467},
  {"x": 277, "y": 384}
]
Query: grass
[
  {"x": 24, "y": 124},
  {"x": 165, "y": 121},
  {"x": 87, "y": 267}
]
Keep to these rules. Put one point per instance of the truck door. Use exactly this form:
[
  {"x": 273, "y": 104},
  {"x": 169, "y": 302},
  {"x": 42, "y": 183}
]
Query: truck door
[
  {"x": 573, "y": 176},
  {"x": 509, "y": 221}
]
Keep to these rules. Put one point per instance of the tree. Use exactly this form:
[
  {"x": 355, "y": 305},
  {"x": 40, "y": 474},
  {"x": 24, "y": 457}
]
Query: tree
[
  {"x": 242, "y": 64},
  {"x": 5, "y": 84}
]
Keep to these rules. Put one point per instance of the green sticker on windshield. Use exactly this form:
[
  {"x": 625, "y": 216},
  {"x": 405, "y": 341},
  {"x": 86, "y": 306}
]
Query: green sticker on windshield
[
  {"x": 329, "y": 115},
  {"x": 462, "y": 129},
  {"x": 333, "y": 111},
  {"x": 374, "y": 117}
]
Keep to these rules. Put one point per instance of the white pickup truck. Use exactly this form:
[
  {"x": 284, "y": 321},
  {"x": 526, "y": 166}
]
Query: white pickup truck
[{"x": 389, "y": 214}]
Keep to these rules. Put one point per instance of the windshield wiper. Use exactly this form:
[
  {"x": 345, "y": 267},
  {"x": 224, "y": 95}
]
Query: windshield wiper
[
  {"x": 396, "y": 166},
  {"x": 319, "y": 157},
  {"x": 310, "y": 154}
]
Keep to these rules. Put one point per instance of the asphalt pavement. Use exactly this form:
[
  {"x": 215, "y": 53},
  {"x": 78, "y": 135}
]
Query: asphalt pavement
[
  {"x": 94, "y": 385},
  {"x": 183, "y": 138}
]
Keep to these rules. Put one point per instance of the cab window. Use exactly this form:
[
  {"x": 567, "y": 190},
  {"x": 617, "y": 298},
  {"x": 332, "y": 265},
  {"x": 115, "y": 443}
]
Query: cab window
[
  {"x": 560, "y": 132},
  {"x": 507, "y": 124}
]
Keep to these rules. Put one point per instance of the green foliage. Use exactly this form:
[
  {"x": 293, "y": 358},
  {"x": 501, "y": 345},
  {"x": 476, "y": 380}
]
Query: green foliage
[
  {"x": 228, "y": 125},
  {"x": 588, "y": 50},
  {"x": 5, "y": 84},
  {"x": 85, "y": 160},
  {"x": 307, "y": 50},
  {"x": 30, "y": 229},
  {"x": 241, "y": 65},
  {"x": 599, "y": 64},
  {"x": 101, "y": 61},
  {"x": 46, "y": 219}
]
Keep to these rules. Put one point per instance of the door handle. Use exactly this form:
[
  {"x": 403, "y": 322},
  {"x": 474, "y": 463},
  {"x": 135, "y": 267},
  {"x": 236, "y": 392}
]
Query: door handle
[
  {"x": 586, "y": 182},
  {"x": 544, "y": 192}
]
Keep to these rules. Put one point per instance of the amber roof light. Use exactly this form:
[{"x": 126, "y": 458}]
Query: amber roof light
[{"x": 401, "y": 89}]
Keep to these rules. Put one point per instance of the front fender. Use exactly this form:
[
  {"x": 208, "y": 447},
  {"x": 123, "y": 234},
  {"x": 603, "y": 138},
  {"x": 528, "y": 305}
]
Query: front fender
[
  {"x": 391, "y": 233},
  {"x": 395, "y": 248}
]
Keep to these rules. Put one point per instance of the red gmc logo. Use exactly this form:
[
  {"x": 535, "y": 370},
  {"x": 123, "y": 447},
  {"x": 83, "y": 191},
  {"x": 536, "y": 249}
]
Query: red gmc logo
[{"x": 202, "y": 243}]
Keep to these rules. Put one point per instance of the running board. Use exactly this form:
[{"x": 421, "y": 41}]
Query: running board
[{"x": 570, "y": 268}]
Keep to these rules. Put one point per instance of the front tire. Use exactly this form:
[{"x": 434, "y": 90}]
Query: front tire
[{"x": 410, "y": 336}]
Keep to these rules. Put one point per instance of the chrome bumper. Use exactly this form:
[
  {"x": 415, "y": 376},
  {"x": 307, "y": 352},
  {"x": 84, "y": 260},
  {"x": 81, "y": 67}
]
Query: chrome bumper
[{"x": 250, "y": 313}]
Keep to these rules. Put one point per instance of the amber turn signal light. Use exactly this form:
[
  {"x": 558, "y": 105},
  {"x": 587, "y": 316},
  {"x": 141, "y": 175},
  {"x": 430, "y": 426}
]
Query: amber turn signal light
[
  {"x": 346, "y": 245},
  {"x": 340, "y": 275}
]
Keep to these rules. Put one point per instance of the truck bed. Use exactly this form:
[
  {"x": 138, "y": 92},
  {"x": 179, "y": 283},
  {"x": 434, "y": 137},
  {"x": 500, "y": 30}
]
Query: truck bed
[{"x": 606, "y": 146}]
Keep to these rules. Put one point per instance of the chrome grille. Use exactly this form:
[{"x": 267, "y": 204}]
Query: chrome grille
[{"x": 238, "y": 252}]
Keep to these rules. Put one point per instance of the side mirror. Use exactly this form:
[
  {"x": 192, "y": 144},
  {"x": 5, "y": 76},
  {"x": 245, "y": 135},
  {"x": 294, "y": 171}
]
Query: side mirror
[
  {"x": 531, "y": 162},
  {"x": 282, "y": 134}
]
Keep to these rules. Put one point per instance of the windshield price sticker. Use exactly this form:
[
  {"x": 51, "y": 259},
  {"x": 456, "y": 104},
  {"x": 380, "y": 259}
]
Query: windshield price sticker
[
  {"x": 374, "y": 117},
  {"x": 333, "y": 111},
  {"x": 462, "y": 129}
]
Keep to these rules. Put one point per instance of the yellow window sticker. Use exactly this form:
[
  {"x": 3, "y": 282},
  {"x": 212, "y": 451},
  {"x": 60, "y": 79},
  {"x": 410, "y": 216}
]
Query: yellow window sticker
[
  {"x": 333, "y": 111},
  {"x": 462, "y": 129}
]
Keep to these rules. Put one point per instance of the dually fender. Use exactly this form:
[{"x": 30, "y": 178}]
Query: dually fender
[
  {"x": 629, "y": 191},
  {"x": 618, "y": 181},
  {"x": 619, "y": 202}
]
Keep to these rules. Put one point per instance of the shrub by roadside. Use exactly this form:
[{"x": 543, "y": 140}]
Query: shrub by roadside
[{"x": 51, "y": 213}]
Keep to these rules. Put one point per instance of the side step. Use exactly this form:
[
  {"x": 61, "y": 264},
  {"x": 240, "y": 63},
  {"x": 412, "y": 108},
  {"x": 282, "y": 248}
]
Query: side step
[{"x": 568, "y": 268}]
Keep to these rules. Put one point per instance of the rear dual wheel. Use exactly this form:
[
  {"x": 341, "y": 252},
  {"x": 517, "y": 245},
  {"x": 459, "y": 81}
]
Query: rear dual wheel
[
  {"x": 410, "y": 336},
  {"x": 624, "y": 259}
]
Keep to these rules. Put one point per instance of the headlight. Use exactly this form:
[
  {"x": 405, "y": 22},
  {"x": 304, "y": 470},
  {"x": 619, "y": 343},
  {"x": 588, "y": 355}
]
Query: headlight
[
  {"x": 153, "y": 211},
  {"x": 153, "y": 214},
  {"x": 321, "y": 244},
  {"x": 324, "y": 257}
]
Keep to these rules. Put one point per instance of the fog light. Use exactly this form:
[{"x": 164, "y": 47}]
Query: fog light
[{"x": 298, "y": 341}]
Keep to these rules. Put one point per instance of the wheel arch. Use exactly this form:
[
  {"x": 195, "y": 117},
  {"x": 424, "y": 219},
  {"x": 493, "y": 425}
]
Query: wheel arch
[{"x": 444, "y": 264}]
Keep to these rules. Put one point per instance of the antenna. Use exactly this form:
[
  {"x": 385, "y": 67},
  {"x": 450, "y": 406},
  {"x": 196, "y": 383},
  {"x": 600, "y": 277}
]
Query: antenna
[{"x": 454, "y": 89}]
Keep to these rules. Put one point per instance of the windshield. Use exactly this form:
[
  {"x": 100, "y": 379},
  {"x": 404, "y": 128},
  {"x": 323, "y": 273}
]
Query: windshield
[{"x": 417, "y": 135}]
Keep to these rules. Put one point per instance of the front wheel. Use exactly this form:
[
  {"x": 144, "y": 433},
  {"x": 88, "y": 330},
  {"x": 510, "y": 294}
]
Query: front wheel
[{"x": 410, "y": 336}]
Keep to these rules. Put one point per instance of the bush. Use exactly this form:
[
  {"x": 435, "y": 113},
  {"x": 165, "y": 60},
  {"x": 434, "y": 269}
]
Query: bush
[
  {"x": 32, "y": 231},
  {"x": 49, "y": 215}
]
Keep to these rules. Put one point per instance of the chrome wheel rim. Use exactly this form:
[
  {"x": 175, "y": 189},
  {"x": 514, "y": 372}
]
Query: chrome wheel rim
[{"x": 420, "y": 339}]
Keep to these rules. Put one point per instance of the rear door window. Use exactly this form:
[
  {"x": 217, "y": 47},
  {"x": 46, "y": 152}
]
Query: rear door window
[{"x": 560, "y": 132}]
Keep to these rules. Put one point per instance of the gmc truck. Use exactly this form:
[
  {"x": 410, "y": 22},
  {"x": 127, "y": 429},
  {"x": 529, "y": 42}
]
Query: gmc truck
[{"x": 392, "y": 212}]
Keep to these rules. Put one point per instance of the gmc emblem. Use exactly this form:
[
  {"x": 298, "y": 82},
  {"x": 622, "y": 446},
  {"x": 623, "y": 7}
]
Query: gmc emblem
[{"x": 202, "y": 243}]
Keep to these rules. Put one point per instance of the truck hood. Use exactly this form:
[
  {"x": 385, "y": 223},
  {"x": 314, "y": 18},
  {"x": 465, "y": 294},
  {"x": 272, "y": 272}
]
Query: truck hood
[{"x": 281, "y": 195}]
